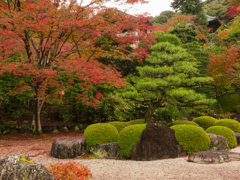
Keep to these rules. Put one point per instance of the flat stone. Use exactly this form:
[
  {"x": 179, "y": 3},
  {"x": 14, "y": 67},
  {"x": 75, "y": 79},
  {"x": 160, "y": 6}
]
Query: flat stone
[
  {"x": 68, "y": 148},
  {"x": 213, "y": 157},
  {"x": 108, "y": 150}
]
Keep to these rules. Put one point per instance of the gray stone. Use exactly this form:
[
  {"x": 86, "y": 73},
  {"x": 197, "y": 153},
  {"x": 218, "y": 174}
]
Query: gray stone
[
  {"x": 218, "y": 143},
  {"x": 65, "y": 129},
  {"x": 157, "y": 142},
  {"x": 108, "y": 150},
  {"x": 68, "y": 148},
  {"x": 12, "y": 168},
  {"x": 55, "y": 130},
  {"x": 235, "y": 117},
  {"x": 213, "y": 157},
  {"x": 237, "y": 135},
  {"x": 76, "y": 129}
]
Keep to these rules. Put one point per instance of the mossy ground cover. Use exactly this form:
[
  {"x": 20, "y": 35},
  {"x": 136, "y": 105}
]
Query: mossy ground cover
[
  {"x": 225, "y": 132},
  {"x": 230, "y": 123},
  {"x": 191, "y": 138},
  {"x": 182, "y": 122},
  {"x": 136, "y": 121},
  {"x": 119, "y": 125},
  {"x": 205, "y": 121}
]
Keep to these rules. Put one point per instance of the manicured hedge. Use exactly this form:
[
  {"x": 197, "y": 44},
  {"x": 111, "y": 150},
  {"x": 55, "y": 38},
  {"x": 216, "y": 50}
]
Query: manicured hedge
[
  {"x": 137, "y": 121},
  {"x": 229, "y": 102},
  {"x": 230, "y": 123},
  {"x": 182, "y": 122},
  {"x": 128, "y": 137},
  {"x": 225, "y": 132},
  {"x": 205, "y": 121},
  {"x": 119, "y": 125},
  {"x": 191, "y": 138},
  {"x": 100, "y": 133}
]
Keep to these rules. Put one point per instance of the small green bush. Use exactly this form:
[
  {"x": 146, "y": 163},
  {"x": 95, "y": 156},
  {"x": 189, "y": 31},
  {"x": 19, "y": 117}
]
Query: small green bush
[
  {"x": 128, "y": 137},
  {"x": 137, "y": 121},
  {"x": 229, "y": 102},
  {"x": 191, "y": 138},
  {"x": 237, "y": 109},
  {"x": 225, "y": 132},
  {"x": 182, "y": 122},
  {"x": 100, "y": 133},
  {"x": 230, "y": 123},
  {"x": 119, "y": 125},
  {"x": 205, "y": 121}
]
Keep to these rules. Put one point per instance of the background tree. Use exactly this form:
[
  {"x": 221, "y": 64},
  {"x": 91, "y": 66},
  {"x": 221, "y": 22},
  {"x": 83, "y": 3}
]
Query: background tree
[
  {"x": 57, "y": 39},
  {"x": 169, "y": 78},
  {"x": 162, "y": 17}
]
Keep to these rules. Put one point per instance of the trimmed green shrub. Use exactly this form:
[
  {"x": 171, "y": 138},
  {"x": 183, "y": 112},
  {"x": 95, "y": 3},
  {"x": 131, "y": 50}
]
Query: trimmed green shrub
[
  {"x": 225, "y": 132},
  {"x": 119, "y": 125},
  {"x": 205, "y": 121},
  {"x": 182, "y": 122},
  {"x": 137, "y": 121},
  {"x": 128, "y": 137},
  {"x": 191, "y": 138},
  {"x": 100, "y": 133},
  {"x": 172, "y": 39},
  {"x": 229, "y": 102},
  {"x": 230, "y": 123}
]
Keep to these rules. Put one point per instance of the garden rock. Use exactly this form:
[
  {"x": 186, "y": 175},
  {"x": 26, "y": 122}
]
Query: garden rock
[
  {"x": 213, "y": 157},
  {"x": 65, "y": 129},
  {"x": 55, "y": 130},
  {"x": 108, "y": 150},
  {"x": 157, "y": 142},
  {"x": 14, "y": 168},
  {"x": 218, "y": 143},
  {"x": 68, "y": 148},
  {"x": 237, "y": 134}
]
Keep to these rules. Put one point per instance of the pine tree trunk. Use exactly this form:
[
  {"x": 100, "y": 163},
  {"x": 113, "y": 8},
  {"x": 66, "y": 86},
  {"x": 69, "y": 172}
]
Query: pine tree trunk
[{"x": 149, "y": 113}]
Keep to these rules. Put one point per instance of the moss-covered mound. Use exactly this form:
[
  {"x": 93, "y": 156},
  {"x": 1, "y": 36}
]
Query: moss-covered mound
[
  {"x": 205, "y": 121},
  {"x": 100, "y": 133},
  {"x": 128, "y": 137},
  {"x": 225, "y": 132},
  {"x": 191, "y": 138},
  {"x": 182, "y": 122},
  {"x": 119, "y": 125},
  {"x": 229, "y": 102},
  {"x": 137, "y": 121},
  {"x": 230, "y": 123}
]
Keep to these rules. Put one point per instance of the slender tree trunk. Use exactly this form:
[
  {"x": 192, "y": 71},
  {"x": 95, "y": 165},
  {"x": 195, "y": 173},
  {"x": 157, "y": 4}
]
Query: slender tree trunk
[{"x": 149, "y": 113}]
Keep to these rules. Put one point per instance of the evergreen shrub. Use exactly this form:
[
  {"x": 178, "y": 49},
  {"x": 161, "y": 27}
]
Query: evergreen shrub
[
  {"x": 128, "y": 137},
  {"x": 119, "y": 125},
  {"x": 225, "y": 132},
  {"x": 230, "y": 123},
  {"x": 100, "y": 133},
  {"x": 172, "y": 39},
  {"x": 191, "y": 138},
  {"x": 237, "y": 109},
  {"x": 137, "y": 121},
  {"x": 205, "y": 121},
  {"x": 229, "y": 102},
  {"x": 182, "y": 122}
]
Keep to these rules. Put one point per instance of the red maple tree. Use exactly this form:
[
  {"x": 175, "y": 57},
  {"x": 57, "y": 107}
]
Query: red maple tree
[{"x": 52, "y": 38}]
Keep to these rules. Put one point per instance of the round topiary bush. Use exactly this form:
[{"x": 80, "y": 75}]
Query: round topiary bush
[
  {"x": 119, "y": 125},
  {"x": 100, "y": 133},
  {"x": 225, "y": 132},
  {"x": 191, "y": 138},
  {"x": 137, "y": 121},
  {"x": 205, "y": 121},
  {"x": 182, "y": 122},
  {"x": 128, "y": 137},
  {"x": 230, "y": 123}
]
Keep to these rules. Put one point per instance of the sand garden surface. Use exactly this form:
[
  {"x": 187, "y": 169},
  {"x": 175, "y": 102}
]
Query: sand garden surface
[{"x": 106, "y": 169}]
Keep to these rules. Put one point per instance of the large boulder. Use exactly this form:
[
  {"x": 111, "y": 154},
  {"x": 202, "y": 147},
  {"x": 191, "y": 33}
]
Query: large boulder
[
  {"x": 156, "y": 142},
  {"x": 237, "y": 135},
  {"x": 68, "y": 148},
  {"x": 218, "y": 143},
  {"x": 213, "y": 157},
  {"x": 20, "y": 167},
  {"x": 108, "y": 150}
]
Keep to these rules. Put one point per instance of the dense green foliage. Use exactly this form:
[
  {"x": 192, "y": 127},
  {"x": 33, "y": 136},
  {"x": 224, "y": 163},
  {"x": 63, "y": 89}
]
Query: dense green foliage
[
  {"x": 100, "y": 133},
  {"x": 128, "y": 137},
  {"x": 182, "y": 122},
  {"x": 216, "y": 8},
  {"x": 225, "y": 132},
  {"x": 162, "y": 17},
  {"x": 136, "y": 121},
  {"x": 191, "y": 138},
  {"x": 119, "y": 125},
  {"x": 205, "y": 121},
  {"x": 230, "y": 123},
  {"x": 229, "y": 102},
  {"x": 171, "y": 38}
]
